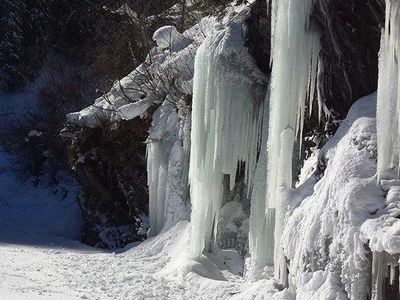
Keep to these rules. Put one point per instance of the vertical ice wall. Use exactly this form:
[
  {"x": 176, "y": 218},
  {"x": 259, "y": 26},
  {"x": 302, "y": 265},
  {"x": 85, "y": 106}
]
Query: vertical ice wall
[
  {"x": 295, "y": 51},
  {"x": 388, "y": 106},
  {"x": 225, "y": 127}
]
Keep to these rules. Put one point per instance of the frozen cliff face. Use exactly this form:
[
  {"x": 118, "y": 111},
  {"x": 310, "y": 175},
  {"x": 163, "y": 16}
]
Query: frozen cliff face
[
  {"x": 323, "y": 243},
  {"x": 110, "y": 165}
]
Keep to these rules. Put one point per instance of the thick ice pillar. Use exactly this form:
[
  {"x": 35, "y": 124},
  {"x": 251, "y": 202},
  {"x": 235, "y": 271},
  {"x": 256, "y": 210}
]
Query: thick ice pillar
[
  {"x": 388, "y": 105},
  {"x": 295, "y": 52},
  {"x": 225, "y": 127}
]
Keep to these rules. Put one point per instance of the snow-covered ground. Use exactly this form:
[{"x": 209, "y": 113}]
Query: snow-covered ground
[
  {"x": 151, "y": 270},
  {"x": 41, "y": 259}
]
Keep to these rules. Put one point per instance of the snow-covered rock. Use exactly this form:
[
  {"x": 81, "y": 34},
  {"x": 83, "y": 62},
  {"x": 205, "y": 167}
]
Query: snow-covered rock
[
  {"x": 323, "y": 242},
  {"x": 168, "y": 37}
]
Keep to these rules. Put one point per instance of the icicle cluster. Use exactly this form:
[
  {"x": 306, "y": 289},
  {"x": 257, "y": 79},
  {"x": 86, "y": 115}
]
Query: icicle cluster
[
  {"x": 225, "y": 128},
  {"x": 388, "y": 107},
  {"x": 385, "y": 276},
  {"x": 295, "y": 55}
]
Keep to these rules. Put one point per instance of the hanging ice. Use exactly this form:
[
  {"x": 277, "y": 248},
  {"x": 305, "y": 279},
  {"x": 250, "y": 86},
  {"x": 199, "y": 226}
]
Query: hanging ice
[
  {"x": 166, "y": 162},
  {"x": 388, "y": 107},
  {"x": 385, "y": 276},
  {"x": 261, "y": 234},
  {"x": 295, "y": 54},
  {"x": 225, "y": 127}
]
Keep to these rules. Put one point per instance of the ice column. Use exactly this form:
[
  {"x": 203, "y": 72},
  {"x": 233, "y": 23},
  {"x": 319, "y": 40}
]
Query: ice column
[
  {"x": 295, "y": 55},
  {"x": 262, "y": 218},
  {"x": 166, "y": 170},
  {"x": 225, "y": 128},
  {"x": 157, "y": 171},
  {"x": 388, "y": 106}
]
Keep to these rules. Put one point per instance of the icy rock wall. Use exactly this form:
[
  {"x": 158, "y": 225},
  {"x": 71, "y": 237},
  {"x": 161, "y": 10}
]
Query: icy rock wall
[
  {"x": 388, "y": 117},
  {"x": 295, "y": 51},
  {"x": 226, "y": 118}
]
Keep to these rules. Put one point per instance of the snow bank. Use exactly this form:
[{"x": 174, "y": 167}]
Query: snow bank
[
  {"x": 27, "y": 209},
  {"x": 322, "y": 238}
]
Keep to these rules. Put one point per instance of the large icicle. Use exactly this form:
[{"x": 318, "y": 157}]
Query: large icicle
[
  {"x": 225, "y": 127},
  {"x": 388, "y": 107},
  {"x": 295, "y": 64}
]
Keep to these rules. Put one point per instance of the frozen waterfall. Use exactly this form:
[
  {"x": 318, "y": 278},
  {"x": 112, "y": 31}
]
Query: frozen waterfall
[
  {"x": 388, "y": 106},
  {"x": 226, "y": 119},
  {"x": 295, "y": 53}
]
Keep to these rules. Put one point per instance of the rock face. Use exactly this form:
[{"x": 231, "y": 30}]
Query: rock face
[
  {"x": 110, "y": 165},
  {"x": 350, "y": 44},
  {"x": 350, "y": 41},
  {"x": 258, "y": 35}
]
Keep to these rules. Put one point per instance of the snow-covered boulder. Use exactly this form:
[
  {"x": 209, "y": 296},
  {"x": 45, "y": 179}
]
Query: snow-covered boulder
[{"x": 168, "y": 37}]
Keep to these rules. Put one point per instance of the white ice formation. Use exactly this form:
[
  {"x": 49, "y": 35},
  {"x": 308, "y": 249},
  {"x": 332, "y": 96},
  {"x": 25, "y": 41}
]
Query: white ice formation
[
  {"x": 295, "y": 52},
  {"x": 388, "y": 116},
  {"x": 226, "y": 119}
]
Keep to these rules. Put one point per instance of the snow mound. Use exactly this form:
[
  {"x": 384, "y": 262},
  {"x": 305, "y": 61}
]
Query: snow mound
[
  {"x": 322, "y": 238},
  {"x": 383, "y": 233}
]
